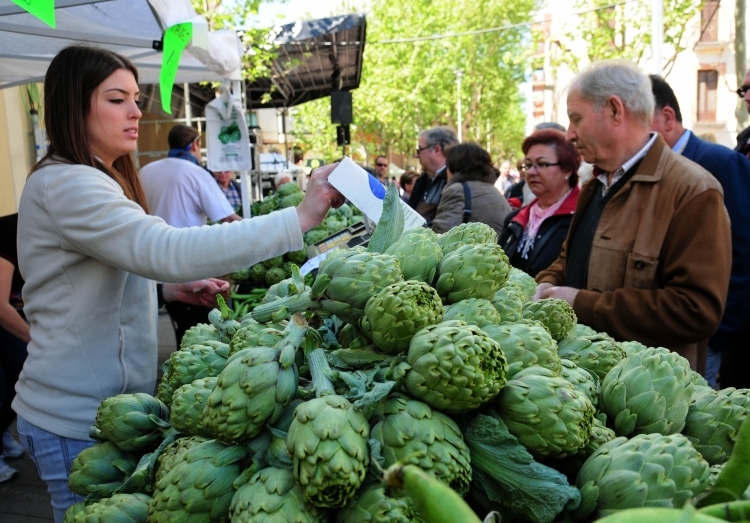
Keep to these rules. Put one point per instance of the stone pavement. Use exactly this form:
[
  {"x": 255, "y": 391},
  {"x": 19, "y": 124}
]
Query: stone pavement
[{"x": 24, "y": 499}]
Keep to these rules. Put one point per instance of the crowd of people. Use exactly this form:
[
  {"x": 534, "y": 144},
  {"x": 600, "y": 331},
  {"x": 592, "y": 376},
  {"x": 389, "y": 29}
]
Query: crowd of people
[{"x": 653, "y": 247}]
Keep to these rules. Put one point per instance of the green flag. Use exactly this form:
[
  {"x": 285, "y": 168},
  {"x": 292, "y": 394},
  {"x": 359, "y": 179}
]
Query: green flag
[
  {"x": 176, "y": 40},
  {"x": 44, "y": 10}
]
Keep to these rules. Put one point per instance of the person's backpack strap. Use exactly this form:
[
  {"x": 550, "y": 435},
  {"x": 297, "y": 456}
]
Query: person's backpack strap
[{"x": 467, "y": 202}]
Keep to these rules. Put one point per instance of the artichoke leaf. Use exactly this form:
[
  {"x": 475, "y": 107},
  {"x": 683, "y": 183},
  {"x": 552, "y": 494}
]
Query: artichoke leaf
[
  {"x": 506, "y": 475},
  {"x": 391, "y": 224}
]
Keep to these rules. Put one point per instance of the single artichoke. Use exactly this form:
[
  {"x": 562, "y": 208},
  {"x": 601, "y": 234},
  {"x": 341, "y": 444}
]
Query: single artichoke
[
  {"x": 474, "y": 311},
  {"x": 648, "y": 470},
  {"x": 648, "y": 392},
  {"x": 120, "y": 508},
  {"x": 258, "y": 273},
  {"x": 274, "y": 276},
  {"x": 582, "y": 380},
  {"x": 292, "y": 200},
  {"x": 200, "y": 486},
  {"x": 411, "y": 430},
  {"x": 397, "y": 312},
  {"x": 297, "y": 257},
  {"x": 254, "y": 387},
  {"x": 631, "y": 347},
  {"x": 273, "y": 263},
  {"x": 287, "y": 189},
  {"x": 547, "y": 415},
  {"x": 524, "y": 281},
  {"x": 600, "y": 435},
  {"x": 188, "y": 403},
  {"x": 455, "y": 367},
  {"x": 103, "y": 466},
  {"x": 471, "y": 233},
  {"x": 525, "y": 345},
  {"x": 186, "y": 365},
  {"x": 272, "y": 496},
  {"x": 257, "y": 335},
  {"x": 713, "y": 420},
  {"x": 198, "y": 334},
  {"x": 597, "y": 354},
  {"x": 418, "y": 253},
  {"x": 171, "y": 455},
  {"x": 328, "y": 443},
  {"x": 509, "y": 301},
  {"x": 133, "y": 422},
  {"x": 373, "y": 505},
  {"x": 557, "y": 315},
  {"x": 583, "y": 330},
  {"x": 472, "y": 271}
]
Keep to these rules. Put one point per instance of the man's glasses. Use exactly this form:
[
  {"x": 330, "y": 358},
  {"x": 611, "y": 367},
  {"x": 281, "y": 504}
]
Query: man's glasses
[
  {"x": 381, "y": 164},
  {"x": 420, "y": 149},
  {"x": 742, "y": 91},
  {"x": 540, "y": 166}
]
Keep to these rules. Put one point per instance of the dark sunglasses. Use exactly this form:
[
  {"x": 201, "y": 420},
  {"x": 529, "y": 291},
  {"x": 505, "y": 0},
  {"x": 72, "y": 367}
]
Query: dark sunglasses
[
  {"x": 742, "y": 91},
  {"x": 382, "y": 164}
]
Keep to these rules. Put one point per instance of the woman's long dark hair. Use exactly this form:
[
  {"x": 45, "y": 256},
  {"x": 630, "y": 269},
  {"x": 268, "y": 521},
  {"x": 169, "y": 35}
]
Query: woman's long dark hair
[
  {"x": 72, "y": 77},
  {"x": 469, "y": 162}
]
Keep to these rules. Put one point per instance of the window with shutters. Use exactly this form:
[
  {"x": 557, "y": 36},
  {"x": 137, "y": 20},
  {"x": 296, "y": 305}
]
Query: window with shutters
[
  {"x": 710, "y": 21},
  {"x": 707, "y": 83}
]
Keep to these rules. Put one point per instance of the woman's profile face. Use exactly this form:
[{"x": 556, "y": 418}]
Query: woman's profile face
[
  {"x": 543, "y": 175},
  {"x": 112, "y": 123}
]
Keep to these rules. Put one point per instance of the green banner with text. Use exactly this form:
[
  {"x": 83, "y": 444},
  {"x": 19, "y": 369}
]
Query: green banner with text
[{"x": 176, "y": 40}]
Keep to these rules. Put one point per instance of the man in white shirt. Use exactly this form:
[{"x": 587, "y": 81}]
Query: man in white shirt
[{"x": 184, "y": 194}]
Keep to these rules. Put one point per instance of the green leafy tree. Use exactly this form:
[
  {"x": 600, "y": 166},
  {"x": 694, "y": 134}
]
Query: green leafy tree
[{"x": 409, "y": 86}]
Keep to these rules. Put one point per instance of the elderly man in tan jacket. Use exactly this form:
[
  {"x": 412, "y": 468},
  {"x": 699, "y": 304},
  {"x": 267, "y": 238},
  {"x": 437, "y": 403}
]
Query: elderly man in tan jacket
[{"x": 649, "y": 252}]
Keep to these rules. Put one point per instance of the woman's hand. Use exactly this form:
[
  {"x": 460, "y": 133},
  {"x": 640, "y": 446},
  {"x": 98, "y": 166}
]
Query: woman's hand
[
  {"x": 201, "y": 292},
  {"x": 319, "y": 197}
]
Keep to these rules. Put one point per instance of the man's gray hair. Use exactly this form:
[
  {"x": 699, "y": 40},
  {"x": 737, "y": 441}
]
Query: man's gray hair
[
  {"x": 620, "y": 78},
  {"x": 442, "y": 136},
  {"x": 281, "y": 176}
]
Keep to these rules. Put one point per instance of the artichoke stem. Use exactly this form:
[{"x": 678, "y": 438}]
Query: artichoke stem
[
  {"x": 295, "y": 303},
  {"x": 320, "y": 369},
  {"x": 294, "y": 335},
  {"x": 223, "y": 307}
]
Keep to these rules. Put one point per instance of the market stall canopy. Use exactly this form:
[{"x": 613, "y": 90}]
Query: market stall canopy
[
  {"x": 132, "y": 28},
  {"x": 314, "y": 58}
]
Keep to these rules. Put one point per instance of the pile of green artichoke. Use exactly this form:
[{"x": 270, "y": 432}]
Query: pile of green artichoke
[{"x": 427, "y": 351}]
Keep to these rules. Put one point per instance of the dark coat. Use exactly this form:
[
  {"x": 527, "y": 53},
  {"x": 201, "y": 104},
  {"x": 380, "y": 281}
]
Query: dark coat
[
  {"x": 742, "y": 139},
  {"x": 428, "y": 208},
  {"x": 549, "y": 240},
  {"x": 732, "y": 170}
]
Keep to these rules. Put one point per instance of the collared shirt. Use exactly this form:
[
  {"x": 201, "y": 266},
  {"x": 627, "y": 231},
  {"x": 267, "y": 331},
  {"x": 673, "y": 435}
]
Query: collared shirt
[
  {"x": 233, "y": 197},
  {"x": 680, "y": 145},
  {"x": 604, "y": 176}
]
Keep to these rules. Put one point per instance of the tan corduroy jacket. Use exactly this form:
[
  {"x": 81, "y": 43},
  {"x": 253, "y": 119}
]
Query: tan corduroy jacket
[{"x": 661, "y": 256}]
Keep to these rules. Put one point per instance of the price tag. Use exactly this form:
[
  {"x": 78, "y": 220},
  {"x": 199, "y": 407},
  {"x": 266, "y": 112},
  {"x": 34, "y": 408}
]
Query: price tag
[
  {"x": 176, "y": 40},
  {"x": 44, "y": 10}
]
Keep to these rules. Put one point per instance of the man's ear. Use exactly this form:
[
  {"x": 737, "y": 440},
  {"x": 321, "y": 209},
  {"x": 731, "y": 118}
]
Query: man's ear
[
  {"x": 670, "y": 119},
  {"x": 615, "y": 109}
]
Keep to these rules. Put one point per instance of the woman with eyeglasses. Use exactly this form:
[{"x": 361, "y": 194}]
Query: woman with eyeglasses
[{"x": 533, "y": 235}]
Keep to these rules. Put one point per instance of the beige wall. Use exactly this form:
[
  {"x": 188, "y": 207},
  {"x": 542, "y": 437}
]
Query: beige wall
[{"x": 16, "y": 148}]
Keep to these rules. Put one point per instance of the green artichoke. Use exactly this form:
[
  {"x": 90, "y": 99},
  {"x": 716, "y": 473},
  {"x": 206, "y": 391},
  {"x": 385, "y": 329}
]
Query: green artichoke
[
  {"x": 133, "y": 422},
  {"x": 713, "y": 420},
  {"x": 189, "y": 401},
  {"x": 287, "y": 189},
  {"x": 346, "y": 280},
  {"x": 547, "y": 415},
  {"x": 397, "y": 312},
  {"x": 525, "y": 345},
  {"x": 597, "y": 354},
  {"x": 583, "y": 330},
  {"x": 648, "y": 392},
  {"x": 272, "y": 496},
  {"x": 170, "y": 456},
  {"x": 600, "y": 435},
  {"x": 120, "y": 508},
  {"x": 471, "y": 233},
  {"x": 293, "y": 200},
  {"x": 418, "y": 253},
  {"x": 297, "y": 257},
  {"x": 472, "y": 271},
  {"x": 186, "y": 365},
  {"x": 455, "y": 367},
  {"x": 648, "y": 470},
  {"x": 474, "y": 311},
  {"x": 698, "y": 380},
  {"x": 582, "y": 380},
  {"x": 557, "y": 315},
  {"x": 509, "y": 301},
  {"x": 411, "y": 430},
  {"x": 254, "y": 387},
  {"x": 273, "y": 263},
  {"x": 315, "y": 235},
  {"x": 373, "y": 505},
  {"x": 631, "y": 347},
  {"x": 199, "y": 334},
  {"x": 200, "y": 486},
  {"x": 258, "y": 273},
  {"x": 101, "y": 466},
  {"x": 715, "y": 470},
  {"x": 257, "y": 335},
  {"x": 328, "y": 443},
  {"x": 274, "y": 276},
  {"x": 524, "y": 281}
]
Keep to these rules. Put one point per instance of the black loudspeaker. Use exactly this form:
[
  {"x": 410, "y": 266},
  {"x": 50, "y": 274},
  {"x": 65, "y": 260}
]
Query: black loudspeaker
[
  {"x": 341, "y": 107},
  {"x": 343, "y": 136}
]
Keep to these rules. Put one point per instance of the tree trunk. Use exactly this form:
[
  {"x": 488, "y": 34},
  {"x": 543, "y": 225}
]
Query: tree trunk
[{"x": 740, "y": 59}]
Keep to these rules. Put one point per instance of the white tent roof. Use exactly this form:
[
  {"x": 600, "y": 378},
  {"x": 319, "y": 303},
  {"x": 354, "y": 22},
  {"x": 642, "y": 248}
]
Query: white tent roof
[{"x": 129, "y": 27}]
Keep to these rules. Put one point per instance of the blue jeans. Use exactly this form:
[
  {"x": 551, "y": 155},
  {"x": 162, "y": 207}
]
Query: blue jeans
[
  {"x": 54, "y": 457},
  {"x": 713, "y": 362}
]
